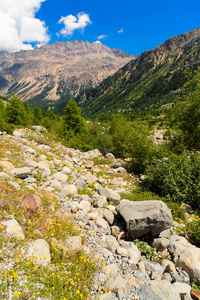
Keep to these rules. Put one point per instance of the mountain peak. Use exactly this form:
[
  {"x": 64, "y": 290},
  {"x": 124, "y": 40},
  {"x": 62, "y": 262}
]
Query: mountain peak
[
  {"x": 58, "y": 71},
  {"x": 180, "y": 40}
]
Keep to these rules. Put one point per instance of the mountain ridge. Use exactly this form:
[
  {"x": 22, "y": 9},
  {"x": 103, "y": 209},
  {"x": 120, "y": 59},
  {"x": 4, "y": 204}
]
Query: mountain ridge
[
  {"x": 157, "y": 73},
  {"x": 58, "y": 71}
]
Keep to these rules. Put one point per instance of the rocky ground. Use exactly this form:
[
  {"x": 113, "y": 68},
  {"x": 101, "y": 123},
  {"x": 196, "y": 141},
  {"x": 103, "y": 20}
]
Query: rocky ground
[{"x": 87, "y": 187}]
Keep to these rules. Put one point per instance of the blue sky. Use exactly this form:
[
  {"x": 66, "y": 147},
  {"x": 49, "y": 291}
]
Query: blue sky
[{"x": 133, "y": 26}]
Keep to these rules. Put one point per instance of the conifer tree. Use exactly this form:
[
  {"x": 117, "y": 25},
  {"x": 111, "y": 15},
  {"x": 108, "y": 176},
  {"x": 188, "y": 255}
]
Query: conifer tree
[
  {"x": 16, "y": 112},
  {"x": 74, "y": 122}
]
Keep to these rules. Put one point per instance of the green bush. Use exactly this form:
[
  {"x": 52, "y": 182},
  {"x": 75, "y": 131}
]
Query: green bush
[
  {"x": 177, "y": 180},
  {"x": 79, "y": 141},
  {"x": 194, "y": 286},
  {"x": 148, "y": 251},
  {"x": 143, "y": 150},
  {"x": 178, "y": 212},
  {"x": 193, "y": 232},
  {"x": 39, "y": 178},
  {"x": 120, "y": 130},
  {"x": 9, "y": 128},
  {"x": 103, "y": 141}
]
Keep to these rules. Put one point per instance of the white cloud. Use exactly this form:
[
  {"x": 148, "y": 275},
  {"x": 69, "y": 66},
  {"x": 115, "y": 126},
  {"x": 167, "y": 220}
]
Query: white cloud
[
  {"x": 121, "y": 30},
  {"x": 73, "y": 23},
  {"x": 97, "y": 42},
  {"x": 102, "y": 37},
  {"x": 18, "y": 25}
]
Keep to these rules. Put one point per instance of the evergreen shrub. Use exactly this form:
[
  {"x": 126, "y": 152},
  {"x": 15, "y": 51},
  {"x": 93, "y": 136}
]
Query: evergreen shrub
[{"x": 177, "y": 180}]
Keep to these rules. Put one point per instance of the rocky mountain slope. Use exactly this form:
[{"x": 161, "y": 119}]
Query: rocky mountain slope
[
  {"x": 152, "y": 80},
  {"x": 58, "y": 71},
  {"x": 65, "y": 232}
]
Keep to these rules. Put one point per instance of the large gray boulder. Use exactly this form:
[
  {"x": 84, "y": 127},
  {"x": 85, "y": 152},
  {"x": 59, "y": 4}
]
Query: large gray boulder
[{"x": 145, "y": 217}]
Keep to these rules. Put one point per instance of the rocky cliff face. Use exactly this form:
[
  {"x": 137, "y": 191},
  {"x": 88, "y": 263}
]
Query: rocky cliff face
[{"x": 58, "y": 71}]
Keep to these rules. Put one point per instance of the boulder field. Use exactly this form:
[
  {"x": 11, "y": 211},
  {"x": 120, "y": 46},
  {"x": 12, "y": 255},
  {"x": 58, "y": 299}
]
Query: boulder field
[{"x": 90, "y": 193}]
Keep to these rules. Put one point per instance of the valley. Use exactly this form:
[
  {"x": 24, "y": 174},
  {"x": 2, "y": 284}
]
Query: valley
[{"x": 100, "y": 194}]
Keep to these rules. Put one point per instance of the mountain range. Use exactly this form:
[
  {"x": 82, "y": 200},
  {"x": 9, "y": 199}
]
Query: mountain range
[
  {"x": 102, "y": 80},
  {"x": 58, "y": 71},
  {"x": 153, "y": 80}
]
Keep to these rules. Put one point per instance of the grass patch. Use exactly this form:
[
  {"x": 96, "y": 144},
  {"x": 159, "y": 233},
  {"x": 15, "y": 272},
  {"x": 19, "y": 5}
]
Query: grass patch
[
  {"x": 7, "y": 146},
  {"x": 102, "y": 161},
  {"x": 85, "y": 192}
]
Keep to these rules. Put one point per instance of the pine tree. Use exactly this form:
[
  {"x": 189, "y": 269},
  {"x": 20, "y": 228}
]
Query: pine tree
[
  {"x": 74, "y": 122},
  {"x": 16, "y": 112}
]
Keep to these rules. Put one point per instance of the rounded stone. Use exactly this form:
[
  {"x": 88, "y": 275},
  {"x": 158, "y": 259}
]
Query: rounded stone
[{"x": 39, "y": 250}]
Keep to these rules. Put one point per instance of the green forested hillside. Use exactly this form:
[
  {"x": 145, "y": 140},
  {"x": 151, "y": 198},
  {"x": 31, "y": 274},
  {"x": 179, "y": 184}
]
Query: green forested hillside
[{"x": 154, "y": 79}]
